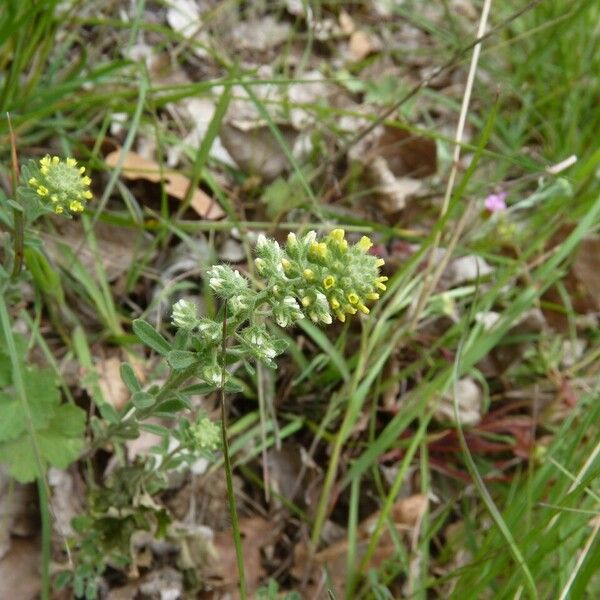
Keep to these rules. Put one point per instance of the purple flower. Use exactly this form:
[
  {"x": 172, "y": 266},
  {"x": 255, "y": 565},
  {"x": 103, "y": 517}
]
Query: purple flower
[{"x": 496, "y": 202}]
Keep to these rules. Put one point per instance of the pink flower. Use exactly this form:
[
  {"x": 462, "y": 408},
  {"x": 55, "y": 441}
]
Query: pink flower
[{"x": 496, "y": 202}]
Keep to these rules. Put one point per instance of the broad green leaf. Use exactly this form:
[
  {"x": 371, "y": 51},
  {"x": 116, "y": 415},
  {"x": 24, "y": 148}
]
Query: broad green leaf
[
  {"x": 42, "y": 397},
  {"x": 59, "y": 444}
]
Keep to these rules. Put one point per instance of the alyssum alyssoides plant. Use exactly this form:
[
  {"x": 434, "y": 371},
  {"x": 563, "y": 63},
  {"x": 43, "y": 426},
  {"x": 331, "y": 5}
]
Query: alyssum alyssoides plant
[
  {"x": 307, "y": 278},
  {"x": 317, "y": 279}
]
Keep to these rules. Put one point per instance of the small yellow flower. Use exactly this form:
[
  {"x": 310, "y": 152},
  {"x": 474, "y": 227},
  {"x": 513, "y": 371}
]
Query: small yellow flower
[
  {"x": 334, "y": 304},
  {"x": 337, "y": 235},
  {"x": 353, "y": 298},
  {"x": 328, "y": 282},
  {"x": 319, "y": 249},
  {"x": 365, "y": 243},
  {"x": 305, "y": 301},
  {"x": 286, "y": 264},
  {"x": 309, "y": 274},
  {"x": 62, "y": 182},
  {"x": 379, "y": 282},
  {"x": 380, "y": 262},
  {"x": 373, "y": 296},
  {"x": 363, "y": 309},
  {"x": 340, "y": 315}
]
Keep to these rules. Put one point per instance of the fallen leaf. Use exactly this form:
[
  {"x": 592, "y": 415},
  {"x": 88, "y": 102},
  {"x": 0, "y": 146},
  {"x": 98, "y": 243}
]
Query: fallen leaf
[
  {"x": 257, "y": 533},
  {"x": 464, "y": 269},
  {"x": 406, "y": 514},
  {"x": 260, "y": 35},
  {"x": 407, "y": 154},
  {"x": 393, "y": 192},
  {"x": 66, "y": 502},
  {"x": 176, "y": 184},
  {"x": 196, "y": 114},
  {"x": 361, "y": 44},
  {"x": 19, "y": 571},
  {"x": 256, "y": 151},
  {"x": 119, "y": 246},
  {"x": 346, "y": 23},
  {"x": 582, "y": 282},
  {"x": 18, "y": 513},
  {"x": 470, "y": 403},
  {"x": 109, "y": 380}
]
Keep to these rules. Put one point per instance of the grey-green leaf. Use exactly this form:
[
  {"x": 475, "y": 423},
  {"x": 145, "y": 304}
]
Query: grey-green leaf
[
  {"x": 149, "y": 336},
  {"x": 181, "y": 359},
  {"x": 129, "y": 378},
  {"x": 143, "y": 400}
]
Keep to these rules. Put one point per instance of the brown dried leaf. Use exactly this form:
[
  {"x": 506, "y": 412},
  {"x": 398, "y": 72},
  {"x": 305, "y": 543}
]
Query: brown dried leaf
[
  {"x": 176, "y": 184},
  {"x": 406, "y": 515},
  {"x": 256, "y": 151},
  {"x": 19, "y": 571},
  {"x": 256, "y": 534},
  {"x": 110, "y": 382},
  {"x": 119, "y": 246},
  {"x": 360, "y": 46},
  {"x": 582, "y": 281},
  {"x": 407, "y": 154}
]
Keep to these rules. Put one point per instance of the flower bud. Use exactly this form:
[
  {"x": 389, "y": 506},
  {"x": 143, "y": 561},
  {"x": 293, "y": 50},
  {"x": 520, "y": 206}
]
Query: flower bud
[{"x": 184, "y": 315}]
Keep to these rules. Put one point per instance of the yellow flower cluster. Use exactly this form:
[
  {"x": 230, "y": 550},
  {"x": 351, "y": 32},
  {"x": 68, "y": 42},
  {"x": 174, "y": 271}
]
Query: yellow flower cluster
[
  {"x": 63, "y": 183},
  {"x": 339, "y": 277}
]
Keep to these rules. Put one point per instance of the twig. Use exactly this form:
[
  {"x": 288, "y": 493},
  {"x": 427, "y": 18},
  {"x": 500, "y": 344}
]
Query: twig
[{"x": 430, "y": 279}]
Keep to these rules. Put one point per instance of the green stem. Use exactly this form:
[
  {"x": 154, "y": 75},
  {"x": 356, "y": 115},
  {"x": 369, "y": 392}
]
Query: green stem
[
  {"x": 237, "y": 538},
  {"x": 46, "y": 537},
  {"x": 18, "y": 224}
]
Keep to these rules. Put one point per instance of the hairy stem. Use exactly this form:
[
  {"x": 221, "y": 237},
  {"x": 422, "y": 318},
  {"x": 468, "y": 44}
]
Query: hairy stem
[{"x": 237, "y": 538}]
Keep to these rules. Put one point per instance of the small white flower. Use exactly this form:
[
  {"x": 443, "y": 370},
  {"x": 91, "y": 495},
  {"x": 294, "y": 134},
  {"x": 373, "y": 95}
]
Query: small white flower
[
  {"x": 282, "y": 320},
  {"x": 290, "y": 302},
  {"x": 310, "y": 237},
  {"x": 260, "y": 264},
  {"x": 270, "y": 352},
  {"x": 261, "y": 242}
]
